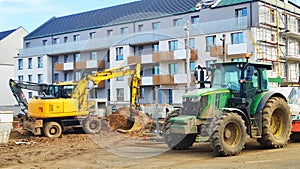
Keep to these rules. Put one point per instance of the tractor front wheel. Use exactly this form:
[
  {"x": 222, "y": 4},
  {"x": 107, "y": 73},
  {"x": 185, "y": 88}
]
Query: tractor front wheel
[
  {"x": 229, "y": 134},
  {"x": 277, "y": 123}
]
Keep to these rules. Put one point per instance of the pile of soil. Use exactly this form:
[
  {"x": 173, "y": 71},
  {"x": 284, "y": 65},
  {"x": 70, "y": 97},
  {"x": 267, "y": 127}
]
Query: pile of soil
[{"x": 120, "y": 119}]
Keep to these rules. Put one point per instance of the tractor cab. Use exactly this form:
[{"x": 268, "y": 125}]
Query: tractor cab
[{"x": 243, "y": 79}]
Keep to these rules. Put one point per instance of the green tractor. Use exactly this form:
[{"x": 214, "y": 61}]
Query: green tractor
[{"x": 237, "y": 103}]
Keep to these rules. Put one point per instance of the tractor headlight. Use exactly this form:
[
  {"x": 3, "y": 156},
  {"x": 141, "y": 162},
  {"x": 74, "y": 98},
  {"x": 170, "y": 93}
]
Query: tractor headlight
[
  {"x": 197, "y": 99},
  {"x": 184, "y": 99}
]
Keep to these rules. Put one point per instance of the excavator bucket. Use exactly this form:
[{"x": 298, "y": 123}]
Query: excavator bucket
[{"x": 122, "y": 121}]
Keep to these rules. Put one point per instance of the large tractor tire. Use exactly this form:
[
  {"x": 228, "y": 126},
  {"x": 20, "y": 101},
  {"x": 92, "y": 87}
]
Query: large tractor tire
[
  {"x": 52, "y": 129},
  {"x": 92, "y": 125},
  {"x": 228, "y": 135},
  {"x": 276, "y": 123},
  {"x": 177, "y": 141}
]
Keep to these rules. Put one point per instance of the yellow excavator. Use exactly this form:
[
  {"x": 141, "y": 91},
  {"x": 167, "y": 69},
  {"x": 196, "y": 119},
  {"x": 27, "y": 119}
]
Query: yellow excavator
[{"x": 49, "y": 114}]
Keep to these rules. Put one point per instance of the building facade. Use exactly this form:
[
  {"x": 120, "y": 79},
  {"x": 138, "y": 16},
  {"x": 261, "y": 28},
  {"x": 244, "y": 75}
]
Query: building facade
[
  {"x": 10, "y": 43},
  {"x": 154, "y": 33}
]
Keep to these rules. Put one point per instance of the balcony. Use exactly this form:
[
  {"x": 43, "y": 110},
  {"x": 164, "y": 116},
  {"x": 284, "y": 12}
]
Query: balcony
[
  {"x": 164, "y": 56},
  {"x": 80, "y": 65},
  {"x": 231, "y": 50},
  {"x": 163, "y": 79}
]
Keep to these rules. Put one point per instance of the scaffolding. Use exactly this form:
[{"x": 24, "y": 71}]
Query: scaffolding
[{"x": 276, "y": 20}]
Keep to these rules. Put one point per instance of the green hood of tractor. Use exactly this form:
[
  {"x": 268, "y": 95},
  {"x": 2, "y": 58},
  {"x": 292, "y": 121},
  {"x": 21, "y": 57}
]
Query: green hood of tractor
[{"x": 204, "y": 92}]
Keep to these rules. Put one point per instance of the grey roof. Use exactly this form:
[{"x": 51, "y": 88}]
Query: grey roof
[
  {"x": 4, "y": 34},
  {"x": 140, "y": 10}
]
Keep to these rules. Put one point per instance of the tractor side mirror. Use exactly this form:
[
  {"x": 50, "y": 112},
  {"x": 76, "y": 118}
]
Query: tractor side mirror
[{"x": 250, "y": 72}]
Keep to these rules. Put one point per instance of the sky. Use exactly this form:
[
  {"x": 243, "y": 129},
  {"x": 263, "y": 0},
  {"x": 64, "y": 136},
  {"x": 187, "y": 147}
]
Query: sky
[{"x": 31, "y": 14}]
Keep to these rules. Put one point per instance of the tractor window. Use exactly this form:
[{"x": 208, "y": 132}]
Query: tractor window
[
  {"x": 264, "y": 82},
  {"x": 226, "y": 79},
  {"x": 255, "y": 78}
]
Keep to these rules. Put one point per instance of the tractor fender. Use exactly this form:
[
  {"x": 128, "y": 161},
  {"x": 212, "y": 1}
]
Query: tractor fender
[
  {"x": 266, "y": 97},
  {"x": 244, "y": 116}
]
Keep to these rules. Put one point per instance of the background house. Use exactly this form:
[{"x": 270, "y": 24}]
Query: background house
[{"x": 10, "y": 43}]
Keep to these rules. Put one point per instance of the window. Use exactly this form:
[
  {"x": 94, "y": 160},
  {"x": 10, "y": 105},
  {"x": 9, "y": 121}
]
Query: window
[
  {"x": 210, "y": 41},
  {"x": 65, "y": 58},
  {"x": 40, "y": 78},
  {"x": 119, "y": 53},
  {"x": 173, "y": 45},
  {"x": 65, "y": 39},
  {"x": 76, "y": 57},
  {"x": 20, "y": 64},
  {"x": 155, "y": 47},
  {"x": 29, "y": 63},
  {"x": 195, "y": 19},
  {"x": 138, "y": 50},
  {"x": 178, "y": 22},
  {"x": 55, "y": 59},
  {"x": 121, "y": 78},
  {"x": 155, "y": 25},
  {"x": 30, "y": 94},
  {"x": 56, "y": 77},
  {"x": 108, "y": 56},
  {"x": 30, "y": 78},
  {"x": 109, "y": 32},
  {"x": 27, "y": 45},
  {"x": 156, "y": 70},
  {"x": 237, "y": 59},
  {"x": 108, "y": 94},
  {"x": 192, "y": 66},
  {"x": 40, "y": 62},
  {"x": 298, "y": 21},
  {"x": 173, "y": 68},
  {"x": 124, "y": 30},
  {"x": 140, "y": 28},
  {"x": 93, "y": 55},
  {"x": 192, "y": 43},
  {"x": 272, "y": 15},
  {"x": 142, "y": 92},
  {"x": 170, "y": 96},
  {"x": 77, "y": 76},
  {"x": 76, "y": 38},
  {"x": 208, "y": 64},
  {"x": 45, "y": 42},
  {"x": 272, "y": 37},
  {"x": 55, "y": 41},
  {"x": 66, "y": 76},
  {"x": 237, "y": 38},
  {"x": 241, "y": 12},
  {"x": 120, "y": 94},
  {"x": 20, "y": 78},
  {"x": 92, "y": 35}
]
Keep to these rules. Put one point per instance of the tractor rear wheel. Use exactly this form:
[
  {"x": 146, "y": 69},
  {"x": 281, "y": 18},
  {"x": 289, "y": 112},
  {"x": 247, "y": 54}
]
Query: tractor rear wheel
[
  {"x": 229, "y": 134},
  {"x": 177, "y": 141},
  {"x": 277, "y": 123},
  {"x": 52, "y": 129}
]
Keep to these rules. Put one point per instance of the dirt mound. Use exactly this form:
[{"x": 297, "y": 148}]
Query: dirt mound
[{"x": 121, "y": 120}]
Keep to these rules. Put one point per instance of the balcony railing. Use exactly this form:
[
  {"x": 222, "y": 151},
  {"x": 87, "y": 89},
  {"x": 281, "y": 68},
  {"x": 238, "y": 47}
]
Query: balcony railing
[
  {"x": 163, "y": 79},
  {"x": 164, "y": 56},
  {"x": 80, "y": 65},
  {"x": 230, "y": 50}
]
